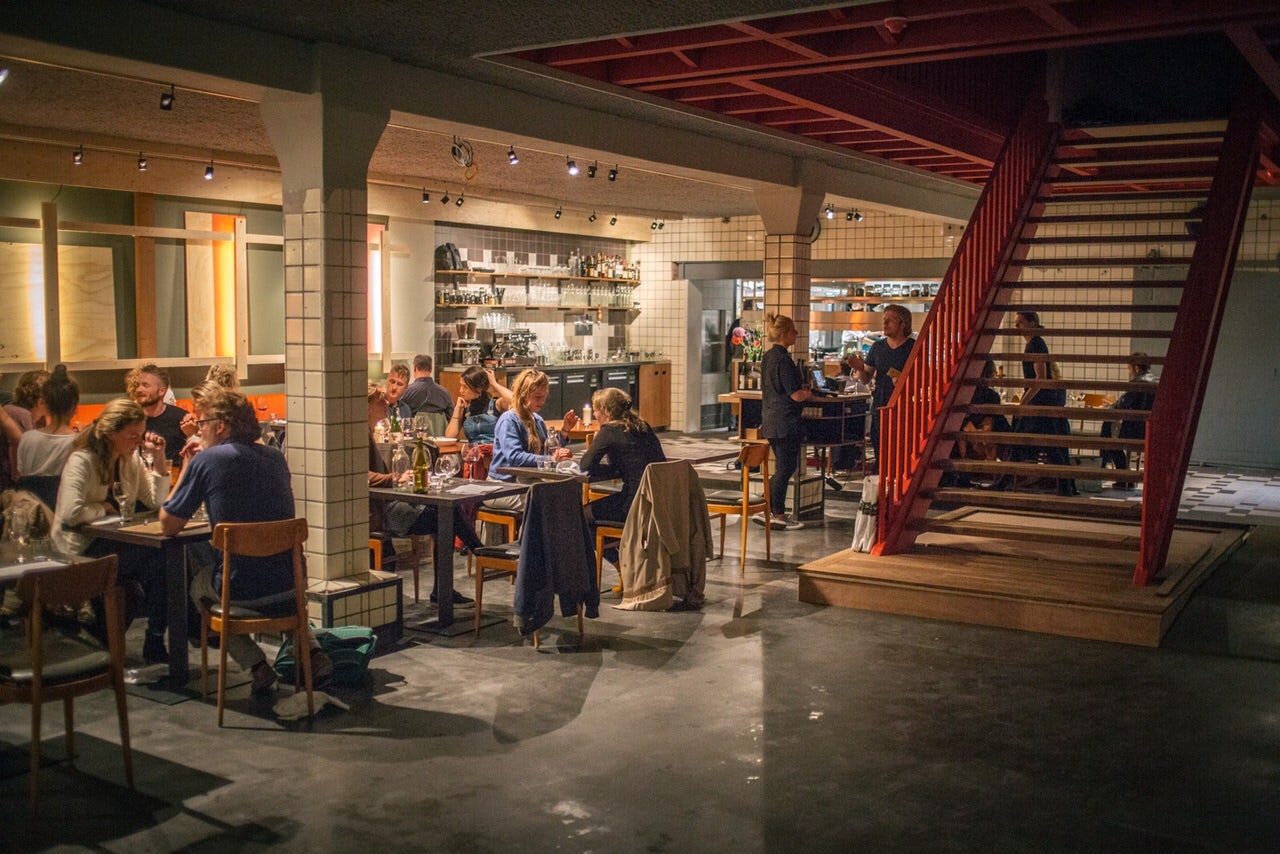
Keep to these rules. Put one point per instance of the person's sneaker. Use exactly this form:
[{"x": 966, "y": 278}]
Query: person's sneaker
[
  {"x": 791, "y": 523},
  {"x": 154, "y": 650},
  {"x": 264, "y": 677},
  {"x": 321, "y": 667},
  {"x": 774, "y": 522}
]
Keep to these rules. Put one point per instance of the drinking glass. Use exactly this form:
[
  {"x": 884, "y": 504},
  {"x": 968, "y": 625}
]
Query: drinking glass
[
  {"x": 18, "y": 529},
  {"x": 447, "y": 466},
  {"x": 148, "y": 457},
  {"x": 120, "y": 491},
  {"x": 422, "y": 424}
]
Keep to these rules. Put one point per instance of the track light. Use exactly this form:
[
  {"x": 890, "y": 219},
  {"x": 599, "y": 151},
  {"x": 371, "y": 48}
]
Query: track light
[
  {"x": 848, "y": 217},
  {"x": 4, "y": 74},
  {"x": 662, "y": 223},
  {"x": 857, "y": 216},
  {"x": 830, "y": 211},
  {"x": 462, "y": 197},
  {"x": 653, "y": 226},
  {"x": 77, "y": 156},
  {"x": 592, "y": 218},
  {"x": 558, "y": 213},
  {"x": 591, "y": 171},
  {"x": 166, "y": 99},
  {"x": 426, "y": 197},
  {"x": 571, "y": 166},
  {"x": 208, "y": 170},
  {"x": 142, "y": 162},
  {"x": 613, "y": 220},
  {"x": 511, "y": 156},
  {"x": 444, "y": 200},
  {"x": 613, "y": 173}
]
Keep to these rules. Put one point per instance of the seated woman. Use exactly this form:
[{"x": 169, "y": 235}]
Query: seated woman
[
  {"x": 1133, "y": 399},
  {"x": 43, "y": 452},
  {"x": 481, "y": 399},
  {"x": 520, "y": 435},
  {"x": 103, "y": 454},
  {"x": 400, "y": 518},
  {"x": 623, "y": 448}
]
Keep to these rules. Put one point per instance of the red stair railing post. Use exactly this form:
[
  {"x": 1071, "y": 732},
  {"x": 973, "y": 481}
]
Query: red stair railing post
[{"x": 914, "y": 420}]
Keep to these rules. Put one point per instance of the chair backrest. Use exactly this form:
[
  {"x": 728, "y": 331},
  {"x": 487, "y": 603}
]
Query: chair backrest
[
  {"x": 259, "y": 539},
  {"x": 69, "y": 585},
  {"x": 44, "y": 487},
  {"x": 754, "y": 455}
]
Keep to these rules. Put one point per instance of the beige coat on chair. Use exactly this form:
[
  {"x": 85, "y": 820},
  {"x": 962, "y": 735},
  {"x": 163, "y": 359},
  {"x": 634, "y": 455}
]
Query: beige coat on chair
[{"x": 666, "y": 540}]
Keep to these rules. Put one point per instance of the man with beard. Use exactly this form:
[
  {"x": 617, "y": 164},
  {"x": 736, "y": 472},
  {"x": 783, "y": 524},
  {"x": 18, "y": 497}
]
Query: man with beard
[
  {"x": 147, "y": 385},
  {"x": 397, "y": 382}
]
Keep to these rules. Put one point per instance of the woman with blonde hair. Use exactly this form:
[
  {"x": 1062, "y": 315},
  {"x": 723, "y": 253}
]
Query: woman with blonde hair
[
  {"x": 104, "y": 453},
  {"x": 783, "y": 394},
  {"x": 520, "y": 434},
  {"x": 623, "y": 448}
]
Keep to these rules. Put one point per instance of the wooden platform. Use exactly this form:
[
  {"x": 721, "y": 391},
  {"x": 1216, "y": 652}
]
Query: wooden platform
[{"x": 1081, "y": 592}]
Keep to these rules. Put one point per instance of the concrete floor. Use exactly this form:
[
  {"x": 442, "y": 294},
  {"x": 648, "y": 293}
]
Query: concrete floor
[{"x": 757, "y": 725}]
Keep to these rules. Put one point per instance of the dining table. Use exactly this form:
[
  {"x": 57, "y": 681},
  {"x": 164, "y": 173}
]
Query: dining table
[
  {"x": 457, "y": 492},
  {"x": 144, "y": 530}
]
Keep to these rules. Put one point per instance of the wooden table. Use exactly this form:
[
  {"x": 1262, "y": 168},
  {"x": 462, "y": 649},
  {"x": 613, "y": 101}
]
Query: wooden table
[
  {"x": 460, "y": 491},
  {"x": 145, "y": 531}
]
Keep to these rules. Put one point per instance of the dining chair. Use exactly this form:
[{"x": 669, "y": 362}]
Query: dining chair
[
  {"x": 59, "y": 661},
  {"x": 507, "y": 521},
  {"x": 257, "y": 539},
  {"x": 742, "y": 501}
]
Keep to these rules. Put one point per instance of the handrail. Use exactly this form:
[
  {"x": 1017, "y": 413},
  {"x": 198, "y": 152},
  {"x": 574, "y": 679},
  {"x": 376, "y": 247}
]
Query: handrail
[
  {"x": 1171, "y": 430},
  {"x": 913, "y": 422}
]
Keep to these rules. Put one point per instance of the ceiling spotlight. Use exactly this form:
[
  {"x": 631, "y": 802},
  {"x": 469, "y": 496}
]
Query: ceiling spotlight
[
  {"x": 4, "y": 74},
  {"x": 591, "y": 171},
  {"x": 558, "y": 213},
  {"x": 613, "y": 220},
  {"x": 208, "y": 171},
  {"x": 857, "y": 216},
  {"x": 571, "y": 166},
  {"x": 662, "y": 223},
  {"x": 613, "y": 173},
  {"x": 653, "y": 226},
  {"x": 444, "y": 200},
  {"x": 426, "y": 197},
  {"x": 462, "y": 197},
  {"x": 848, "y": 217},
  {"x": 830, "y": 211},
  {"x": 511, "y": 156},
  {"x": 166, "y": 99},
  {"x": 77, "y": 156},
  {"x": 142, "y": 162},
  {"x": 592, "y": 218}
]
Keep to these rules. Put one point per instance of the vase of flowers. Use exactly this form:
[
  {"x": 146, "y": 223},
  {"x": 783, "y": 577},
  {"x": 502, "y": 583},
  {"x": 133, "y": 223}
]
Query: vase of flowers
[{"x": 752, "y": 345}]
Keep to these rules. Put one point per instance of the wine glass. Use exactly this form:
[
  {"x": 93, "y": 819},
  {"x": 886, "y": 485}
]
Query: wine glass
[
  {"x": 447, "y": 466},
  {"x": 120, "y": 491},
  {"x": 262, "y": 406},
  {"x": 422, "y": 424},
  {"x": 148, "y": 457}
]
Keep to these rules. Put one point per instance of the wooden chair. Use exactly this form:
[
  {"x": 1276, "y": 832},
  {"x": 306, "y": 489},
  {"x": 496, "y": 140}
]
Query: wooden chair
[
  {"x": 507, "y": 520},
  {"x": 257, "y": 539},
  {"x": 723, "y": 502},
  {"x": 605, "y": 531},
  {"x": 60, "y": 663}
]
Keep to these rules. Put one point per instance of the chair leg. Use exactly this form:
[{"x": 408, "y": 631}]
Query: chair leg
[
  {"x": 479, "y": 598},
  {"x": 69, "y": 729},
  {"x": 742, "y": 557},
  {"x": 33, "y": 787},
  {"x": 599, "y": 556},
  {"x": 418, "y": 545},
  {"x": 222, "y": 672},
  {"x": 582, "y": 630},
  {"x": 302, "y": 652},
  {"x": 204, "y": 655},
  {"x": 535, "y": 640},
  {"x": 122, "y": 713}
]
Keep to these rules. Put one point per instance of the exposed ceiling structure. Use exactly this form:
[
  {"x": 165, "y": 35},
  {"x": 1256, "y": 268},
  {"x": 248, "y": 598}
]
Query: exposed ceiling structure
[{"x": 699, "y": 104}]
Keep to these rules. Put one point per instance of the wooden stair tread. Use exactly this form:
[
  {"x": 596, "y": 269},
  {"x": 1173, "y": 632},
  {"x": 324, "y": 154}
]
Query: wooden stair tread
[
  {"x": 1108, "y": 261},
  {"x": 1058, "y": 505},
  {"x": 1205, "y": 153},
  {"x": 1128, "y": 284},
  {"x": 1133, "y": 176},
  {"x": 1081, "y": 358},
  {"x": 1082, "y": 138},
  {"x": 1098, "y": 308},
  {"x": 1078, "y": 385},
  {"x": 1072, "y": 413},
  {"x": 1110, "y": 239},
  {"x": 1166, "y": 216},
  {"x": 1075, "y": 440},
  {"x": 1126, "y": 195},
  {"x": 1081, "y": 332},
  {"x": 1039, "y": 470},
  {"x": 1022, "y": 533}
]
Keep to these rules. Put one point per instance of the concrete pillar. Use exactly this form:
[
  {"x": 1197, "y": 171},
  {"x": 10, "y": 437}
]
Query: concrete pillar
[
  {"x": 324, "y": 141},
  {"x": 789, "y": 215}
]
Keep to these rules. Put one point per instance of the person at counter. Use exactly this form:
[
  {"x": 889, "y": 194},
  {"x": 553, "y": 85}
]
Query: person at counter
[
  {"x": 884, "y": 363},
  {"x": 424, "y": 394},
  {"x": 481, "y": 399},
  {"x": 103, "y": 454},
  {"x": 783, "y": 393}
]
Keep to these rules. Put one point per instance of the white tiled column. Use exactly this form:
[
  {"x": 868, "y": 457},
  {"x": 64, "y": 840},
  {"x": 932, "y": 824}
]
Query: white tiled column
[
  {"x": 324, "y": 145},
  {"x": 786, "y": 282}
]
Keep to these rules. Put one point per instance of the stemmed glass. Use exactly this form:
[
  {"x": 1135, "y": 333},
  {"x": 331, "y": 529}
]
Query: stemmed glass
[
  {"x": 148, "y": 457},
  {"x": 120, "y": 491},
  {"x": 447, "y": 466},
  {"x": 422, "y": 424},
  {"x": 262, "y": 406},
  {"x": 18, "y": 529}
]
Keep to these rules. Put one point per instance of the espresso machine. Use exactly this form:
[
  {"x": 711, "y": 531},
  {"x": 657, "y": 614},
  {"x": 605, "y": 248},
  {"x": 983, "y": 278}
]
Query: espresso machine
[
  {"x": 466, "y": 347},
  {"x": 515, "y": 348}
]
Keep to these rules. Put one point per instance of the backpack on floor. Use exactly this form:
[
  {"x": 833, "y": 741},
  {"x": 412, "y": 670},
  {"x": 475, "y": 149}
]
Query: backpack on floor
[{"x": 349, "y": 647}]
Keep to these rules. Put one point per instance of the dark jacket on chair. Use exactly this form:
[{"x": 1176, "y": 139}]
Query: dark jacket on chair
[{"x": 557, "y": 557}]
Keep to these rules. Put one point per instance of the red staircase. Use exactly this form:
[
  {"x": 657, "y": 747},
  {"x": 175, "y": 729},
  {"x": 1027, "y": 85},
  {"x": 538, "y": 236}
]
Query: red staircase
[{"x": 1122, "y": 239}]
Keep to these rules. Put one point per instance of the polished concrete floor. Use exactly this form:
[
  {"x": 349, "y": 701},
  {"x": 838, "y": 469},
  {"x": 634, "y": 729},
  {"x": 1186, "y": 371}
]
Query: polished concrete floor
[{"x": 759, "y": 724}]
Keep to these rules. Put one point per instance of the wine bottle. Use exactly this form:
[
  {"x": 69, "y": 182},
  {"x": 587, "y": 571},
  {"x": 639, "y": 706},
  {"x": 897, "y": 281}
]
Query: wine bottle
[{"x": 420, "y": 467}]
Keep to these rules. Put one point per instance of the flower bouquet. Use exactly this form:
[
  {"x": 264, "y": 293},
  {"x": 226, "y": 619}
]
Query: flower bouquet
[{"x": 750, "y": 341}]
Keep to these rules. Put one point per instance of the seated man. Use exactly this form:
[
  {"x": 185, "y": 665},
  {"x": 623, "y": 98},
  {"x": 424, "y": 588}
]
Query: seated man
[
  {"x": 397, "y": 382},
  {"x": 1134, "y": 399},
  {"x": 238, "y": 480},
  {"x": 147, "y": 385}
]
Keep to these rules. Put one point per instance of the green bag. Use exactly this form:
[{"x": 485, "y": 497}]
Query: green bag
[{"x": 349, "y": 647}]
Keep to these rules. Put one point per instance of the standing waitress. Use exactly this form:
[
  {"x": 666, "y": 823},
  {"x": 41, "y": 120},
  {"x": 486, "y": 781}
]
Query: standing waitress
[{"x": 783, "y": 393}]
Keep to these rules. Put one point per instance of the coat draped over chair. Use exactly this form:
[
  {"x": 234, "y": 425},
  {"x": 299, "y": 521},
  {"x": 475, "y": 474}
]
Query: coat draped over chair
[
  {"x": 666, "y": 540},
  {"x": 557, "y": 557}
]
